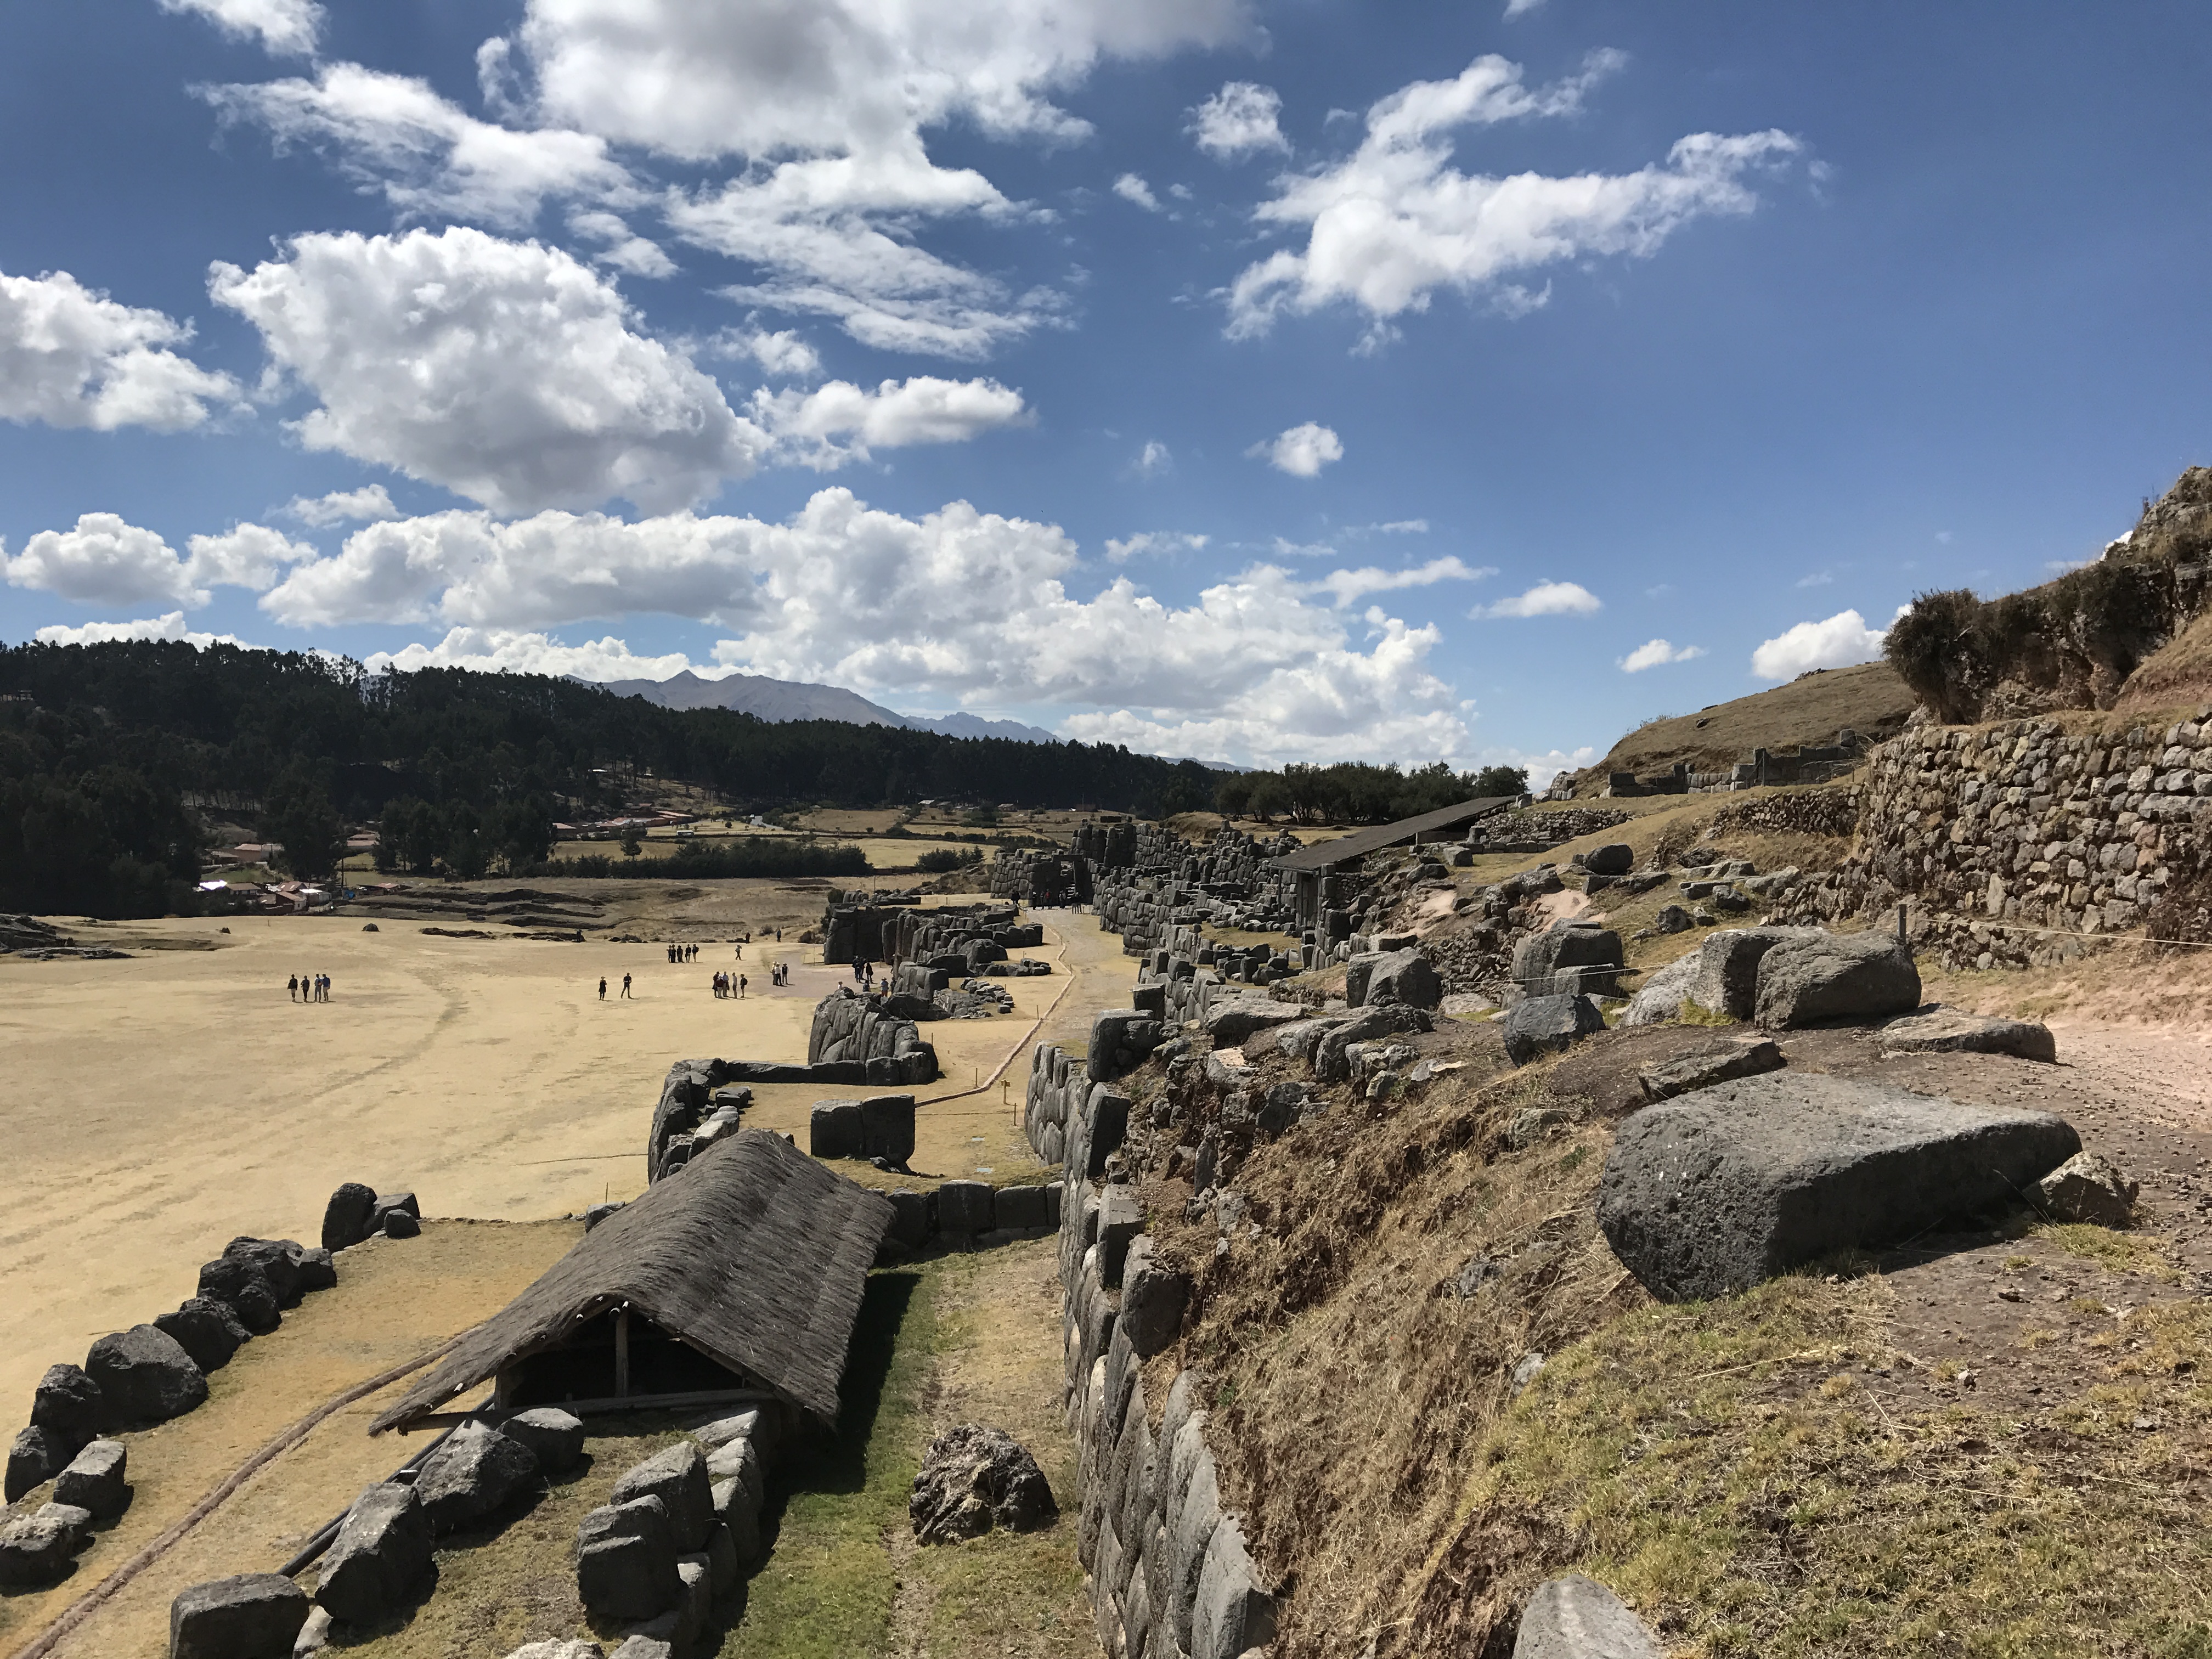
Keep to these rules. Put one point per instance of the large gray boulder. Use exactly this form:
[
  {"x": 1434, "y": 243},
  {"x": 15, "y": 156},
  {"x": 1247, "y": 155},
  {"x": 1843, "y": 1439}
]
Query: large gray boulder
[
  {"x": 1702, "y": 1067},
  {"x": 380, "y": 1558},
  {"x": 1406, "y": 977},
  {"x": 1727, "y": 966},
  {"x": 1230, "y": 1613},
  {"x": 1737, "y": 1183},
  {"x": 37, "y": 1550},
  {"x": 1153, "y": 1296},
  {"x": 208, "y": 1330},
  {"x": 1943, "y": 1030},
  {"x": 965, "y": 1208},
  {"x": 475, "y": 1471},
  {"x": 255, "y": 1616},
  {"x": 2091, "y": 1189},
  {"x": 833, "y": 1129},
  {"x": 1578, "y": 1618},
  {"x": 346, "y": 1217},
  {"x": 67, "y": 1400},
  {"x": 626, "y": 1560},
  {"x": 144, "y": 1377},
  {"x": 1834, "y": 977},
  {"x": 38, "y": 1455},
  {"x": 284, "y": 1263},
  {"x": 1616, "y": 859},
  {"x": 677, "y": 1477},
  {"x": 554, "y": 1437},
  {"x": 1660, "y": 998},
  {"x": 1232, "y": 1020},
  {"x": 1330, "y": 1062},
  {"x": 97, "y": 1480},
  {"x": 245, "y": 1289},
  {"x": 887, "y": 1128},
  {"x": 1549, "y": 1024},
  {"x": 1572, "y": 955},
  {"x": 974, "y": 1478}
]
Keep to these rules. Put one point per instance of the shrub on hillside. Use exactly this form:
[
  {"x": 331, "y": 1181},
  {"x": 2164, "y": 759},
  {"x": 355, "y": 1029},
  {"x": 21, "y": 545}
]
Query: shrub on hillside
[{"x": 938, "y": 860}]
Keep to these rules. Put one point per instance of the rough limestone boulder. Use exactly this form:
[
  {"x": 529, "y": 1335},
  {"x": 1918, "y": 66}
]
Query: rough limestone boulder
[
  {"x": 380, "y": 1558},
  {"x": 1578, "y": 1618},
  {"x": 2087, "y": 1188},
  {"x": 474, "y": 1473},
  {"x": 38, "y": 1455},
  {"x": 1943, "y": 1030},
  {"x": 256, "y": 1616},
  {"x": 1331, "y": 1064},
  {"x": 1660, "y": 998},
  {"x": 1569, "y": 956},
  {"x": 974, "y": 1478},
  {"x": 97, "y": 1480},
  {"x": 1406, "y": 977},
  {"x": 1672, "y": 918},
  {"x": 347, "y": 1217},
  {"x": 677, "y": 1477},
  {"x": 1234, "y": 1020},
  {"x": 833, "y": 1129},
  {"x": 67, "y": 1400},
  {"x": 208, "y": 1330},
  {"x": 554, "y": 1437},
  {"x": 1717, "y": 1191},
  {"x": 1728, "y": 967},
  {"x": 1617, "y": 859},
  {"x": 1153, "y": 1296},
  {"x": 37, "y": 1550},
  {"x": 1716, "y": 1062},
  {"x": 1834, "y": 977},
  {"x": 626, "y": 1560},
  {"x": 144, "y": 1377},
  {"x": 1549, "y": 1024},
  {"x": 887, "y": 1128},
  {"x": 284, "y": 1263}
]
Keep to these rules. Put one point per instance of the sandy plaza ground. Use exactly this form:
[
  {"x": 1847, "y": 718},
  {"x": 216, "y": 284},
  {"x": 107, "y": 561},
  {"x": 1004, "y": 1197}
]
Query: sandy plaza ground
[{"x": 156, "y": 1107}]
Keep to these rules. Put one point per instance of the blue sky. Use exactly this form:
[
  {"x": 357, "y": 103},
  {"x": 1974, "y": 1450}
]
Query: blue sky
[{"x": 1258, "y": 381}]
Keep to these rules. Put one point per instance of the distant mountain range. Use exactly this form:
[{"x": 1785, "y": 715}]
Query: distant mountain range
[{"x": 795, "y": 700}]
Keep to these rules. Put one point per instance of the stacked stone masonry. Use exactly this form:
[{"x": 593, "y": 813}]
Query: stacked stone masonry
[
  {"x": 2029, "y": 823},
  {"x": 1170, "y": 1574}
]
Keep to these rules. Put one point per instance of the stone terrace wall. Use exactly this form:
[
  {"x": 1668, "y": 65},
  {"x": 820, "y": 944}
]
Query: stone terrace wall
[
  {"x": 1170, "y": 1574},
  {"x": 2029, "y": 823}
]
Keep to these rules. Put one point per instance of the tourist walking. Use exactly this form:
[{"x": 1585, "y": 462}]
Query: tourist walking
[
  {"x": 741, "y": 985},
  {"x": 292, "y": 987},
  {"x": 603, "y": 988},
  {"x": 625, "y": 990}
]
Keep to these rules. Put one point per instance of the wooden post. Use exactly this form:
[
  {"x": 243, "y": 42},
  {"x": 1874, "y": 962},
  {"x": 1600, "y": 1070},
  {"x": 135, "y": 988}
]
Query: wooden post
[{"x": 622, "y": 1354}]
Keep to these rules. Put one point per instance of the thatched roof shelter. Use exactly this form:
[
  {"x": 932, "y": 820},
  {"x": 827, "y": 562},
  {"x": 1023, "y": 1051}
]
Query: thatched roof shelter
[{"x": 753, "y": 1255}]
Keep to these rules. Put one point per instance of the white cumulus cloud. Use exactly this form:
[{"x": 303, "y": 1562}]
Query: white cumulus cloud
[
  {"x": 1657, "y": 654},
  {"x": 969, "y": 607},
  {"x": 808, "y": 425},
  {"x": 1237, "y": 121},
  {"x": 498, "y": 650},
  {"x": 370, "y": 502},
  {"x": 397, "y": 135},
  {"x": 170, "y": 627},
  {"x": 778, "y": 351},
  {"x": 621, "y": 246},
  {"x": 106, "y": 560},
  {"x": 1131, "y": 188},
  {"x": 1343, "y": 586},
  {"x": 1836, "y": 642},
  {"x": 71, "y": 356},
  {"x": 287, "y": 27},
  {"x": 505, "y": 371},
  {"x": 1396, "y": 221},
  {"x": 1546, "y": 599},
  {"x": 1301, "y": 452}
]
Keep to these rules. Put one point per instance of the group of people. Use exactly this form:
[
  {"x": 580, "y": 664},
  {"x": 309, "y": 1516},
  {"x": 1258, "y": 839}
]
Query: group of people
[
  {"x": 603, "y": 987},
  {"x": 681, "y": 952},
  {"x": 730, "y": 985},
  {"x": 309, "y": 988}
]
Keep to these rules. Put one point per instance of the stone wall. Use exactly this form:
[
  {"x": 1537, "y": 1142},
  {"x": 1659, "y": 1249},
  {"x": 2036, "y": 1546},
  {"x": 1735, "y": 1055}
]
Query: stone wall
[
  {"x": 2029, "y": 823},
  {"x": 1170, "y": 1574}
]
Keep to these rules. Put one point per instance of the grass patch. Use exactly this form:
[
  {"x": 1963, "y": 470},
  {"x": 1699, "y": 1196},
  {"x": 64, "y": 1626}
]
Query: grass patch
[
  {"x": 2124, "y": 1253},
  {"x": 828, "y": 1586},
  {"x": 1728, "y": 1467},
  {"x": 1695, "y": 1013}
]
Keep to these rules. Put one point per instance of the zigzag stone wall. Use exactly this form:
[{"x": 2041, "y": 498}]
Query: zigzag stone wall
[{"x": 1171, "y": 1576}]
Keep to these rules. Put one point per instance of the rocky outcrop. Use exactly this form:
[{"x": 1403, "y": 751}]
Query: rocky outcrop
[
  {"x": 1949, "y": 1031},
  {"x": 974, "y": 1478},
  {"x": 1834, "y": 977}
]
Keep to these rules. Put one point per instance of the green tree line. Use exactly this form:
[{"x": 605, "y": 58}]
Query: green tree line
[{"x": 1355, "y": 792}]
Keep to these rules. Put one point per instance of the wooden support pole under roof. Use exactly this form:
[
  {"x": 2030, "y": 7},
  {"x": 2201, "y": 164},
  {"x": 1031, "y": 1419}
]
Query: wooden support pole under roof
[{"x": 622, "y": 1352}]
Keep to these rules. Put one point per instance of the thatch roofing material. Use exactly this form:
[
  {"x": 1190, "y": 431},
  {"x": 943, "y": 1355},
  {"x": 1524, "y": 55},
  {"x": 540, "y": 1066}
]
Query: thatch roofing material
[
  {"x": 1326, "y": 855},
  {"x": 753, "y": 1254}
]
